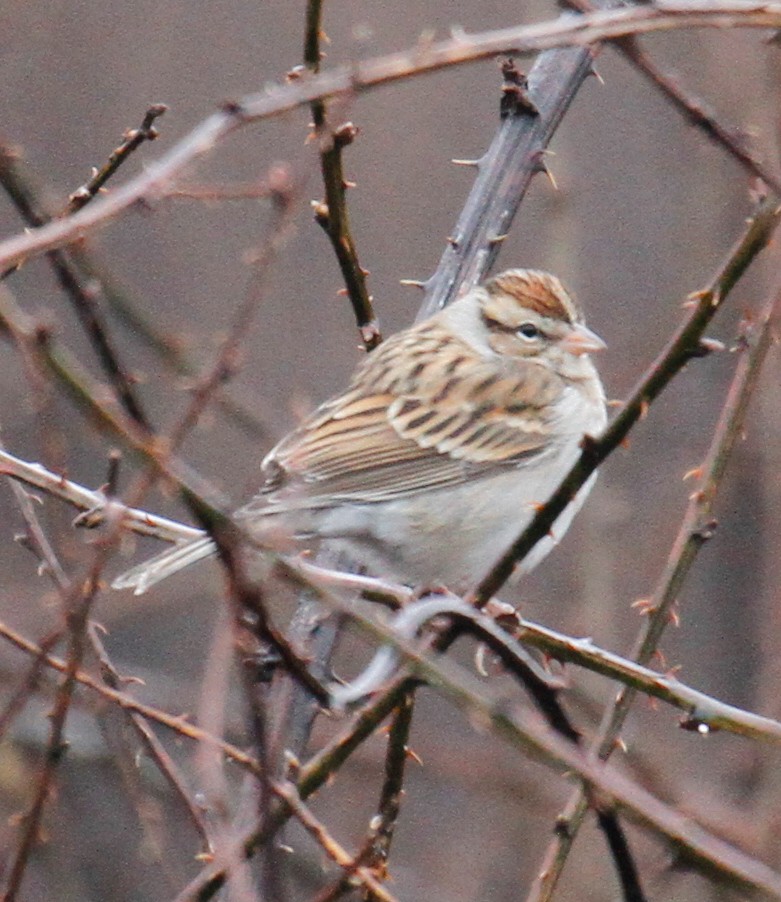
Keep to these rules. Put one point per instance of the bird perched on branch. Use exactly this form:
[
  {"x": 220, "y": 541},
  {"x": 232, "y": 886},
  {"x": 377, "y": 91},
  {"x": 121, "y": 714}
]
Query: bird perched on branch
[{"x": 446, "y": 441}]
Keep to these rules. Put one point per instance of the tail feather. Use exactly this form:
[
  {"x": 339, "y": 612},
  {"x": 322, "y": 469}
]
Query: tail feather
[{"x": 141, "y": 577}]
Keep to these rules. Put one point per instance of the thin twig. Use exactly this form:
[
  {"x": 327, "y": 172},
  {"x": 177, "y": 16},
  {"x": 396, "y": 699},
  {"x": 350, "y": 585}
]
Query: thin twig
[
  {"x": 685, "y": 345},
  {"x": 81, "y": 274},
  {"x": 332, "y": 215},
  {"x": 384, "y": 822},
  {"x": 698, "y": 846},
  {"x": 376, "y": 848},
  {"x": 697, "y": 526},
  {"x": 291, "y": 798},
  {"x": 41, "y": 546},
  {"x": 82, "y": 299},
  {"x": 369, "y": 74},
  {"x": 155, "y": 749},
  {"x": 16, "y": 704},
  {"x": 177, "y": 724},
  {"x": 131, "y": 140},
  {"x": 77, "y": 605},
  {"x": 703, "y": 711},
  {"x": 92, "y": 503},
  {"x": 686, "y": 103}
]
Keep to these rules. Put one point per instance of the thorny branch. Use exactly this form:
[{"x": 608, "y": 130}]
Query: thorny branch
[
  {"x": 685, "y": 345},
  {"x": 74, "y": 286},
  {"x": 86, "y": 283},
  {"x": 531, "y": 111},
  {"x": 37, "y": 541},
  {"x": 696, "y": 528},
  {"x": 76, "y": 603},
  {"x": 177, "y": 724},
  {"x": 360, "y": 873},
  {"x": 348, "y": 81},
  {"x": 131, "y": 141},
  {"x": 701, "y": 848},
  {"x": 332, "y": 215},
  {"x": 162, "y": 464},
  {"x": 689, "y": 106},
  {"x": 700, "y": 707}
]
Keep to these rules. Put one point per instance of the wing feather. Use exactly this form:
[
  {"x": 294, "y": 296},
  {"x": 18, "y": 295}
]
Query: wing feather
[{"x": 423, "y": 412}]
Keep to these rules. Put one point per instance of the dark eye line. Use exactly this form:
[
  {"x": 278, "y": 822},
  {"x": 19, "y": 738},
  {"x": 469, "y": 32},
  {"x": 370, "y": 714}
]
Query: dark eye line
[{"x": 496, "y": 325}]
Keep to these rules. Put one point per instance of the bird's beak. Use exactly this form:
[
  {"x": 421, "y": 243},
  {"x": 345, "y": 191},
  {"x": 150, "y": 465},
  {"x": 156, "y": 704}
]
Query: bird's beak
[{"x": 582, "y": 341}]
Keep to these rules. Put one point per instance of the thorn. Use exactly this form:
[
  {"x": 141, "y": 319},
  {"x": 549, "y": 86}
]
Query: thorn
[
  {"x": 551, "y": 178},
  {"x": 707, "y": 531},
  {"x": 410, "y": 753},
  {"x": 593, "y": 71},
  {"x": 497, "y": 239},
  {"x": 473, "y": 163},
  {"x": 694, "y": 473},
  {"x": 694, "y": 298},
  {"x": 425, "y": 40},
  {"x": 644, "y": 605},
  {"x": 707, "y": 346},
  {"x": 321, "y": 213},
  {"x": 412, "y": 283},
  {"x": 675, "y": 618},
  {"x": 453, "y": 242},
  {"x": 658, "y": 655},
  {"x": 345, "y": 134},
  {"x": 621, "y": 745},
  {"x": 295, "y": 73}
]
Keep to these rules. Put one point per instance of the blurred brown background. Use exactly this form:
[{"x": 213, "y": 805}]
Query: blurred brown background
[{"x": 645, "y": 209}]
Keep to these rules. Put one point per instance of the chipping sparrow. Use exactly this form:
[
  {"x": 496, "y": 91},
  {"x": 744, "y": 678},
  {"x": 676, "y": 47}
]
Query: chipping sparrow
[{"x": 448, "y": 437}]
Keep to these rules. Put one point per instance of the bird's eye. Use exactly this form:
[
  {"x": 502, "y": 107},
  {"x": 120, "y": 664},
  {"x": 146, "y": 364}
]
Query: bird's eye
[{"x": 529, "y": 331}]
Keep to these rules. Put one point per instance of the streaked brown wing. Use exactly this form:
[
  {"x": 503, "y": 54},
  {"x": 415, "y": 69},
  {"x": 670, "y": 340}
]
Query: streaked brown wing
[{"x": 416, "y": 433}]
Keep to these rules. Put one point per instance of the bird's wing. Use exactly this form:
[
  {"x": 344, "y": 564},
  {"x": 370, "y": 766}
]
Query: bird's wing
[{"x": 399, "y": 430}]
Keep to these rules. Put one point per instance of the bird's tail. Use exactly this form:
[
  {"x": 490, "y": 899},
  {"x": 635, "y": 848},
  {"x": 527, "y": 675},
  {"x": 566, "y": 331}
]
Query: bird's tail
[{"x": 163, "y": 565}]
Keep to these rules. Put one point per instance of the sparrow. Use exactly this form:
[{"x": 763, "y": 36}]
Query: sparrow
[{"x": 448, "y": 438}]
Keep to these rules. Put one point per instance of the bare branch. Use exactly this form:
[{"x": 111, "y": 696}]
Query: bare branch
[
  {"x": 332, "y": 215},
  {"x": 80, "y": 295},
  {"x": 696, "y": 527},
  {"x": 131, "y": 141},
  {"x": 685, "y": 345},
  {"x": 178, "y": 724},
  {"x": 347, "y": 81}
]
